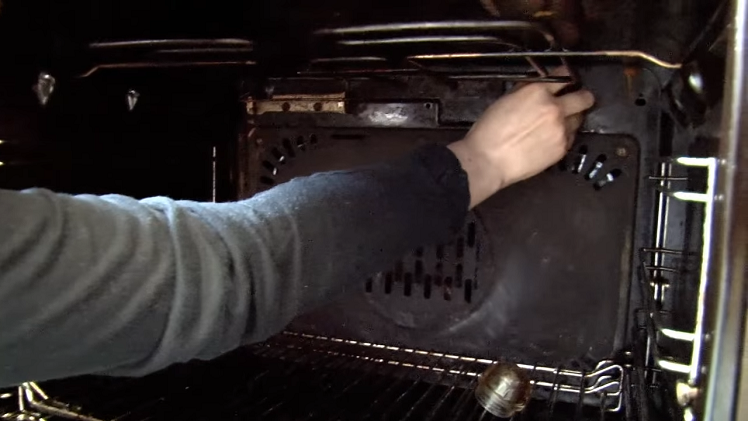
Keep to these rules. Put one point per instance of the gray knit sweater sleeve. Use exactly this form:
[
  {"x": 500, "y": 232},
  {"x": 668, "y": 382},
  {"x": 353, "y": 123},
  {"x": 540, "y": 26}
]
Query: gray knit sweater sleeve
[{"x": 113, "y": 285}]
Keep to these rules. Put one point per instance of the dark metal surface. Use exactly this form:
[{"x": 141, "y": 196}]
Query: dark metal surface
[
  {"x": 532, "y": 267},
  {"x": 727, "y": 304},
  {"x": 626, "y": 102},
  {"x": 400, "y": 115}
]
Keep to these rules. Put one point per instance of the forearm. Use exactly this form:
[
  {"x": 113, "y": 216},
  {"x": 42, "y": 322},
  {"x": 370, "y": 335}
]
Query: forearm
[{"x": 110, "y": 284}]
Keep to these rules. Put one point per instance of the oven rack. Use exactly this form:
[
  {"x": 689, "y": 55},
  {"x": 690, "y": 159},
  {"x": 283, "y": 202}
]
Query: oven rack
[
  {"x": 652, "y": 263},
  {"x": 168, "y": 54},
  {"x": 601, "y": 387},
  {"x": 450, "y": 49},
  {"x": 401, "y": 383}
]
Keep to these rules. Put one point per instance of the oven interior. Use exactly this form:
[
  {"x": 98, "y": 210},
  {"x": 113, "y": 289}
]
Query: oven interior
[{"x": 587, "y": 277}]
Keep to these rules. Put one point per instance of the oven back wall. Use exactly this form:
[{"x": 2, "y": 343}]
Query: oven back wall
[{"x": 85, "y": 140}]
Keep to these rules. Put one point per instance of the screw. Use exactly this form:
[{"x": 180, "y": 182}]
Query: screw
[
  {"x": 622, "y": 152},
  {"x": 132, "y": 99},
  {"x": 45, "y": 85},
  {"x": 258, "y": 141}
]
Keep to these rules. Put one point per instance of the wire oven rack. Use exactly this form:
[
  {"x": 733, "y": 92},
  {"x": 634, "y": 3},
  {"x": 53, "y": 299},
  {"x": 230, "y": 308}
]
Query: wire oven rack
[
  {"x": 301, "y": 376},
  {"x": 652, "y": 263},
  {"x": 168, "y": 54},
  {"x": 452, "y": 50},
  {"x": 601, "y": 387}
]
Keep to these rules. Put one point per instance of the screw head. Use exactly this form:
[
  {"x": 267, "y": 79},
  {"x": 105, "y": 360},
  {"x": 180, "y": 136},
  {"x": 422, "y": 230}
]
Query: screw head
[
  {"x": 132, "y": 99},
  {"x": 45, "y": 85},
  {"x": 622, "y": 152}
]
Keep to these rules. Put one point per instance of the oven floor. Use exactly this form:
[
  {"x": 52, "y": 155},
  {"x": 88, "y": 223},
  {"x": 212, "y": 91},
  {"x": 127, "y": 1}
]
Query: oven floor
[{"x": 538, "y": 275}]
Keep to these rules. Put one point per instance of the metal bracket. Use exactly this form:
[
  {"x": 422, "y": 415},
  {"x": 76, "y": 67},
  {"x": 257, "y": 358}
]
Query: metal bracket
[
  {"x": 35, "y": 405},
  {"x": 692, "y": 368}
]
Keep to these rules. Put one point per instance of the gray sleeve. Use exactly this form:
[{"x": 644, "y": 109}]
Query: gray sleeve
[{"x": 118, "y": 286}]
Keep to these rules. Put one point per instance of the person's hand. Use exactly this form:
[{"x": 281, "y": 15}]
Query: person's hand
[{"x": 520, "y": 135}]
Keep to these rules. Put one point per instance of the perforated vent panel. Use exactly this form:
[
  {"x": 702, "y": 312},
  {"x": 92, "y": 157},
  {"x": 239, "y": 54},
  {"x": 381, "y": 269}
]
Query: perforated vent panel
[
  {"x": 536, "y": 274},
  {"x": 447, "y": 271}
]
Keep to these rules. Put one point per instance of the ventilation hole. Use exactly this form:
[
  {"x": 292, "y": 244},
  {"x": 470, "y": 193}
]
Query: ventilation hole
[
  {"x": 448, "y": 289},
  {"x": 348, "y": 136},
  {"x": 300, "y": 143},
  {"x": 278, "y": 155},
  {"x": 640, "y": 101},
  {"x": 440, "y": 252},
  {"x": 369, "y": 285},
  {"x": 437, "y": 280},
  {"x": 317, "y": 106},
  {"x": 388, "y": 283},
  {"x": 408, "y": 284},
  {"x": 579, "y": 160},
  {"x": 427, "y": 287},
  {"x": 596, "y": 167},
  {"x": 439, "y": 268},
  {"x": 399, "y": 271},
  {"x": 270, "y": 167},
  {"x": 460, "y": 248},
  {"x": 313, "y": 139},
  {"x": 286, "y": 106},
  {"x": 267, "y": 180},
  {"x": 468, "y": 290},
  {"x": 419, "y": 271},
  {"x": 288, "y": 147},
  {"x": 458, "y": 276},
  {"x": 471, "y": 235},
  {"x": 419, "y": 252},
  {"x": 609, "y": 178}
]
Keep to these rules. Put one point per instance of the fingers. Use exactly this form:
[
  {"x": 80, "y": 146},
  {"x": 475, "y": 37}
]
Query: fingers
[
  {"x": 575, "y": 102},
  {"x": 554, "y": 88},
  {"x": 573, "y": 123}
]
